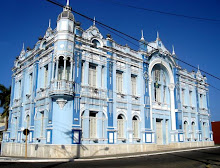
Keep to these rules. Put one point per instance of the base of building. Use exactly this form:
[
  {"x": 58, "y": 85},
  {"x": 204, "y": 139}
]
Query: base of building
[{"x": 78, "y": 151}]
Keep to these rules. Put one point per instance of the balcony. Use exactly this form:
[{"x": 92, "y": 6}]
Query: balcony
[{"x": 61, "y": 87}]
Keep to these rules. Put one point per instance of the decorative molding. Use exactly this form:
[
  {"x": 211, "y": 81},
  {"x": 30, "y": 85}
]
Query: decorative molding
[{"x": 61, "y": 102}]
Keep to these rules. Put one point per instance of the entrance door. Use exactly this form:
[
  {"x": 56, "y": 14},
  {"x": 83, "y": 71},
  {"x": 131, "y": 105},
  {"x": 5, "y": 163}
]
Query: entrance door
[{"x": 159, "y": 132}]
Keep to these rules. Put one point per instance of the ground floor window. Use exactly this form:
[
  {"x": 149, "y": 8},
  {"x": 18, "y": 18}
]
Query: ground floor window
[
  {"x": 186, "y": 129},
  {"x": 120, "y": 124},
  {"x": 135, "y": 124}
]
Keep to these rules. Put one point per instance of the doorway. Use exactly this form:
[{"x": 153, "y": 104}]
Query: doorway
[{"x": 159, "y": 131}]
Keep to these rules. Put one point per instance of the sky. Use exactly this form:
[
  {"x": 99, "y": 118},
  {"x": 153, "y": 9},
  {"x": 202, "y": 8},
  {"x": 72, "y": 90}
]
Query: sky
[{"x": 195, "y": 41}]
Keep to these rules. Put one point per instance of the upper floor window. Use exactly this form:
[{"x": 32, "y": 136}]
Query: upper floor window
[
  {"x": 133, "y": 84},
  {"x": 19, "y": 90},
  {"x": 96, "y": 43},
  {"x": 200, "y": 100},
  {"x": 45, "y": 76},
  {"x": 119, "y": 81},
  {"x": 157, "y": 75},
  {"x": 92, "y": 75},
  {"x": 30, "y": 82},
  {"x": 183, "y": 96},
  {"x": 190, "y": 98}
]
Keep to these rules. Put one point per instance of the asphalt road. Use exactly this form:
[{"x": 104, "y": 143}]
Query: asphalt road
[{"x": 209, "y": 158}]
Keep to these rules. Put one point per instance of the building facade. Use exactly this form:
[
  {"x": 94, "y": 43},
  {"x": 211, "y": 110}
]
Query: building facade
[{"x": 77, "y": 87}]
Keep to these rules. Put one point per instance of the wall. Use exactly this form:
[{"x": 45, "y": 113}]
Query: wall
[
  {"x": 216, "y": 132},
  {"x": 76, "y": 151}
]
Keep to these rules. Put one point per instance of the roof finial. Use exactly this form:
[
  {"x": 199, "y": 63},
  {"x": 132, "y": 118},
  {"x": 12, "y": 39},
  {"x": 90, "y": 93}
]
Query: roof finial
[
  {"x": 94, "y": 21},
  {"x": 142, "y": 35},
  {"x": 68, "y": 3},
  {"x": 198, "y": 67},
  {"x": 23, "y": 46},
  {"x": 49, "y": 22},
  {"x": 158, "y": 38},
  {"x": 173, "y": 53}
]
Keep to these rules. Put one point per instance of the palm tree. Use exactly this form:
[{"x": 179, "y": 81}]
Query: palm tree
[{"x": 5, "y": 94}]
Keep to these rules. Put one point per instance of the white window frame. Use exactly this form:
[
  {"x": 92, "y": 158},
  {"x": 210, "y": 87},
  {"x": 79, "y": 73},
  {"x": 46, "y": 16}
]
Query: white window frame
[
  {"x": 45, "y": 76},
  {"x": 135, "y": 126},
  {"x": 92, "y": 76},
  {"x": 30, "y": 82},
  {"x": 183, "y": 96},
  {"x": 119, "y": 81},
  {"x": 92, "y": 125},
  {"x": 120, "y": 126},
  {"x": 134, "y": 84}
]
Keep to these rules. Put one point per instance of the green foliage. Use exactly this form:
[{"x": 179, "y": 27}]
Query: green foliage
[{"x": 5, "y": 94}]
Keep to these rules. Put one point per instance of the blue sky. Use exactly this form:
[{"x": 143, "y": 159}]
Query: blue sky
[{"x": 196, "y": 42}]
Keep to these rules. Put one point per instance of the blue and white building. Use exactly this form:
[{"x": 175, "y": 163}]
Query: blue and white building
[{"x": 78, "y": 87}]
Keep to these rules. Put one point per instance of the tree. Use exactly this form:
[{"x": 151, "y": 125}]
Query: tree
[{"x": 5, "y": 94}]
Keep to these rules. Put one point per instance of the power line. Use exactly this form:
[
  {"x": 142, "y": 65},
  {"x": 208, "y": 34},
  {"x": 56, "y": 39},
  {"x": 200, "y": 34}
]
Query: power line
[
  {"x": 133, "y": 38},
  {"x": 166, "y": 13}
]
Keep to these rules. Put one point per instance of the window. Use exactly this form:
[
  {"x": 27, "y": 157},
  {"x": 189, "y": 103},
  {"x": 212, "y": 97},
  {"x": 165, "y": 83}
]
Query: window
[
  {"x": 96, "y": 43},
  {"x": 45, "y": 75},
  {"x": 135, "y": 124},
  {"x": 186, "y": 129},
  {"x": 157, "y": 75},
  {"x": 120, "y": 124},
  {"x": 19, "y": 90},
  {"x": 157, "y": 91},
  {"x": 42, "y": 124},
  {"x": 119, "y": 81},
  {"x": 200, "y": 100},
  {"x": 190, "y": 98},
  {"x": 92, "y": 124},
  {"x": 133, "y": 85},
  {"x": 204, "y": 130},
  {"x": 92, "y": 75},
  {"x": 67, "y": 73},
  {"x": 183, "y": 96},
  {"x": 30, "y": 82},
  {"x": 193, "y": 130},
  {"x": 82, "y": 74},
  {"x": 60, "y": 68},
  {"x": 164, "y": 94},
  {"x": 102, "y": 77}
]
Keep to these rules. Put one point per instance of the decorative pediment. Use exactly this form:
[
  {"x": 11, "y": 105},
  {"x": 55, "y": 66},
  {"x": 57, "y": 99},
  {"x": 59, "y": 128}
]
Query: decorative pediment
[{"x": 92, "y": 32}]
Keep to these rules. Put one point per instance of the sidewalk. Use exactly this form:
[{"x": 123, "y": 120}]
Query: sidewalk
[{"x": 96, "y": 158}]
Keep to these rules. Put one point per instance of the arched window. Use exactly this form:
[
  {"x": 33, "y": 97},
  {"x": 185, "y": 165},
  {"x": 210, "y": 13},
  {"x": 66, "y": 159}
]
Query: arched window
[
  {"x": 96, "y": 43},
  {"x": 120, "y": 124},
  {"x": 193, "y": 130},
  {"x": 67, "y": 73},
  {"x": 204, "y": 130},
  {"x": 160, "y": 82},
  {"x": 135, "y": 124},
  {"x": 60, "y": 68},
  {"x": 186, "y": 129}
]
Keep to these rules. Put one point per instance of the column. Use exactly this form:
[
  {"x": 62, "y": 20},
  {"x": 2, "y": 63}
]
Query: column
[
  {"x": 86, "y": 72},
  {"x": 172, "y": 106},
  {"x": 99, "y": 76},
  {"x": 150, "y": 96},
  {"x": 57, "y": 64},
  {"x": 64, "y": 69},
  {"x": 53, "y": 70},
  {"x": 71, "y": 70}
]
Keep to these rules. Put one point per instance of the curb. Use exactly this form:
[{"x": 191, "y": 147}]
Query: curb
[{"x": 9, "y": 159}]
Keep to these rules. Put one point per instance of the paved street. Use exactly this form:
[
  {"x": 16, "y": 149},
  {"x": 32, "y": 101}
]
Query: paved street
[{"x": 199, "y": 159}]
